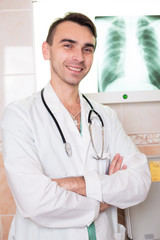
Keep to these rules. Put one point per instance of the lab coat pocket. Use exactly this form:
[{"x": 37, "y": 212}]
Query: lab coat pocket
[{"x": 121, "y": 233}]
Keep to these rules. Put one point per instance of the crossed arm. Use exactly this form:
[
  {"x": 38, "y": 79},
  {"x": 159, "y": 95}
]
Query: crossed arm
[{"x": 77, "y": 184}]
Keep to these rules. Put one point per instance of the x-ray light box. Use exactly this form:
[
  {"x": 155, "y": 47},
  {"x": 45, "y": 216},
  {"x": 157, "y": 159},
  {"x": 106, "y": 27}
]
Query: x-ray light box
[{"x": 128, "y": 58}]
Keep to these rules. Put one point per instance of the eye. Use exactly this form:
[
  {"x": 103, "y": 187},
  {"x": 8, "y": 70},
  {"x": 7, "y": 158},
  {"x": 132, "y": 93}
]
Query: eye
[
  {"x": 88, "y": 50},
  {"x": 68, "y": 45}
]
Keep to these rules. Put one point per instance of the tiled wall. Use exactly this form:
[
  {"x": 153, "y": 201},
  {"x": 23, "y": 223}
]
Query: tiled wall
[
  {"x": 142, "y": 123},
  {"x": 7, "y": 206},
  {"x": 17, "y": 79},
  {"x": 139, "y": 118},
  {"x": 16, "y": 51}
]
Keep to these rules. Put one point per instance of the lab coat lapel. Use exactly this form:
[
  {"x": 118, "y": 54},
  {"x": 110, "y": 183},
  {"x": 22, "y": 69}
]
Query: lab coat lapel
[
  {"x": 53, "y": 102},
  {"x": 85, "y": 108}
]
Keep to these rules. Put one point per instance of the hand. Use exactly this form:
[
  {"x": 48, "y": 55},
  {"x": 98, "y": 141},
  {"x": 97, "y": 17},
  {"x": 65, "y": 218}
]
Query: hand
[
  {"x": 103, "y": 206},
  {"x": 116, "y": 164}
]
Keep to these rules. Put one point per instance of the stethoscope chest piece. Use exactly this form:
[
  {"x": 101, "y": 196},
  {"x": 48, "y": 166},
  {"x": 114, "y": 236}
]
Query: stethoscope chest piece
[{"x": 68, "y": 149}]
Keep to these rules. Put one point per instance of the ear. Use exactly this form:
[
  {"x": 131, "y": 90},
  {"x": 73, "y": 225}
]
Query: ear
[{"x": 46, "y": 51}]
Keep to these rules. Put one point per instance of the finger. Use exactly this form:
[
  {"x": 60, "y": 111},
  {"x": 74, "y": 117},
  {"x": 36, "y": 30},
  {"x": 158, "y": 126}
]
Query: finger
[
  {"x": 104, "y": 206},
  {"x": 118, "y": 165},
  {"x": 124, "y": 167},
  {"x": 113, "y": 163}
]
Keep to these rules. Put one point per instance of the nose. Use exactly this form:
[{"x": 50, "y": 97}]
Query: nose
[{"x": 78, "y": 55}]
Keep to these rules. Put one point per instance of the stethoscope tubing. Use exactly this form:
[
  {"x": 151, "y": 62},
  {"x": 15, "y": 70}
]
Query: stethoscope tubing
[
  {"x": 53, "y": 117},
  {"x": 67, "y": 145},
  {"x": 92, "y": 110}
]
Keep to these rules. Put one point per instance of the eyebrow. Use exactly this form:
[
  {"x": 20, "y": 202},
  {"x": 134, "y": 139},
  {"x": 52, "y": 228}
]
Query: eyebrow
[
  {"x": 68, "y": 40},
  {"x": 74, "y": 42}
]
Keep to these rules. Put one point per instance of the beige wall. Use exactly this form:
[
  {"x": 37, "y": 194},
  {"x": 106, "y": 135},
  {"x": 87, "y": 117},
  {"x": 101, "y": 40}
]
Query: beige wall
[
  {"x": 142, "y": 123},
  {"x": 7, "y": 206}
]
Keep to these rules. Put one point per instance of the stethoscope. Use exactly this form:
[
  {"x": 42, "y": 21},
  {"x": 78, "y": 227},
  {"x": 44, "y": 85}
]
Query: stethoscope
[{"x": 67, "y": 146}]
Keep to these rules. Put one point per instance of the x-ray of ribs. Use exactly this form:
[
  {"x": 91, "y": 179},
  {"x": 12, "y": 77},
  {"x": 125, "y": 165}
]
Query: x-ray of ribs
[
  {"x": 131, "y": 53},
  {"x": 113, "y": 62},
  {"x": 149, "y": 46}
]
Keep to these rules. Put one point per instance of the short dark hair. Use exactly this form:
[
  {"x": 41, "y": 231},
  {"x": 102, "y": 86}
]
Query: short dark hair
[{"x": 79, "y": 18}]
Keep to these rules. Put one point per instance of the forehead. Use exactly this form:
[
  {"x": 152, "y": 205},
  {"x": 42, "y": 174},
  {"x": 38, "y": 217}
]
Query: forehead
[{"x": 72, "y": 30}]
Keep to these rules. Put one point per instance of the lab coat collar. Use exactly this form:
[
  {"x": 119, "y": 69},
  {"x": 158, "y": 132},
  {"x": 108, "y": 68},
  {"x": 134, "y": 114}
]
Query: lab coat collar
[
  {"x": 85, "y": 108},
  {"x": 52, "y": 99},
  {"x": 58, "y": 108},
  {"x": 60, "y": 111},
  {"x": 55, "y": 104}
]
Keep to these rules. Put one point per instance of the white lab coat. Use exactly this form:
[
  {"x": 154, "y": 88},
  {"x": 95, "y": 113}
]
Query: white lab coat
[{"x": 34, "y": 154}]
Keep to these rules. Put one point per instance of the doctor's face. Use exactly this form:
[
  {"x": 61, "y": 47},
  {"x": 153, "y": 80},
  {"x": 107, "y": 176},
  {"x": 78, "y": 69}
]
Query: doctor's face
[{"x": 71, "y": 53}]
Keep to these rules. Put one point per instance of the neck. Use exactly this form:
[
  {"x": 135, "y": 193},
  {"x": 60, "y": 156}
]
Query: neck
[{"x": 68, "y": 95}]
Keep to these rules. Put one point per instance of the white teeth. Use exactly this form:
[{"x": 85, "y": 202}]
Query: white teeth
[{"x": 74, "y": 69}]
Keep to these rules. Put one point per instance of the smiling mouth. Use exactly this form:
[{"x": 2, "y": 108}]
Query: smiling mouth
[{"x": 74, "y": 69}]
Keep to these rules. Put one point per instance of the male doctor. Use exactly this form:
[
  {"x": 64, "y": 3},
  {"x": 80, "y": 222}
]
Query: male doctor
[{"x": 63, "y": 153}]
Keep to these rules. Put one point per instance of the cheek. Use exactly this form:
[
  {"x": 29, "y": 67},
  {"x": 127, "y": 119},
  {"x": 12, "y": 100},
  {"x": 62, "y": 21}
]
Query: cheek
[
  {"x": 57, "y": 59},
  {"x": 89, "y": 62},
  {"x": 63, "y": 58}
]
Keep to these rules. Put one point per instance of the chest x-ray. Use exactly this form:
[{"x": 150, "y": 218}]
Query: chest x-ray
[{"x": 128, "y": 53}]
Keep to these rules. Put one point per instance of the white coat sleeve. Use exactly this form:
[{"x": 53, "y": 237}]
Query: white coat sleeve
[
  {"x": 124, "y": 188},
  {"x": 36, "y": 196}
]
